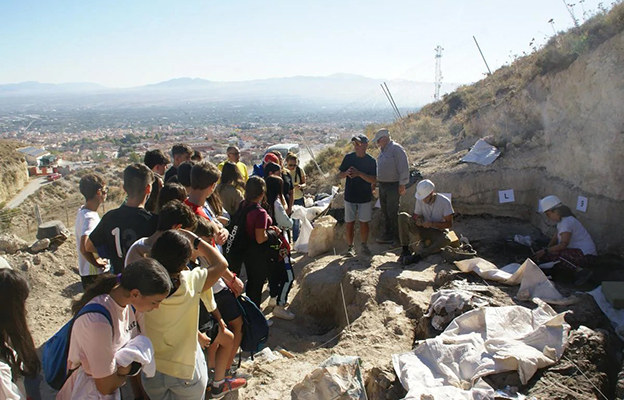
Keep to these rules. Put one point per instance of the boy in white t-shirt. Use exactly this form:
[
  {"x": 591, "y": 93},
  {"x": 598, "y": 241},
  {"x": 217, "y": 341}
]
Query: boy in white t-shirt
[{"x": 93, "y": 188}]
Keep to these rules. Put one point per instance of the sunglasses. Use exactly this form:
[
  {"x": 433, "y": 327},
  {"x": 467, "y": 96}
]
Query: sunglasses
[{"x": 292, "y": 165}]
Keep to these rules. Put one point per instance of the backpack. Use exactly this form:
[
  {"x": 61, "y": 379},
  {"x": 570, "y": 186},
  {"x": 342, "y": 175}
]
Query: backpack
[
  {"x": 255, "y": 326},
  {"x": 56, "y": 349},
  {"x": 238, "y": 241}
]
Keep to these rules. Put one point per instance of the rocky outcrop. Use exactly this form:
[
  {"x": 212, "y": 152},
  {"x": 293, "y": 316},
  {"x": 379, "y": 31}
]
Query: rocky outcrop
[{"x": 14, "y": 171}]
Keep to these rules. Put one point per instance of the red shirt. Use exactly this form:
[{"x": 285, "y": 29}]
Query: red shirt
[{"x": 257, "y": 219}]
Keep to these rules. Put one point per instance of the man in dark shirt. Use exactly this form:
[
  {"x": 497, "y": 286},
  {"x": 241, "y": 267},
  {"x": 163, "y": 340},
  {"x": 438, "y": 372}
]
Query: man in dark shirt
[
  {"x": 360, "y": 169},
  {"x": 120, "y": 228},
  {"x": 181, "y": 152}
]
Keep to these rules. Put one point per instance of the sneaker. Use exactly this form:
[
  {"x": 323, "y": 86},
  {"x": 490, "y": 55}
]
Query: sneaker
[
  {"x": 403, "y": 256},
  {"x": 230, "y": 374},
  {"x": 350, "y": 252},
  {"x": 281, "y": 312},
  {"x": 228, "y": 385},
  {"x": 385, "y": 240},
  {"x": 273, "y": 301},
  {"x": 582, "y": 276},
  {"x": 365, "y": 250}
]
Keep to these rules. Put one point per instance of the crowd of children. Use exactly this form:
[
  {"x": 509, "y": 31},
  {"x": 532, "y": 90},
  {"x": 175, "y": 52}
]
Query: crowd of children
[{"x": 156, "y": 282}]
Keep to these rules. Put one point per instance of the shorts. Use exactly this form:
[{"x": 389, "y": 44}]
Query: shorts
[
  {"x": 227, "y": 305},
  {"x": 167, "y": 387},
  {"x": 364, "y": 211}
]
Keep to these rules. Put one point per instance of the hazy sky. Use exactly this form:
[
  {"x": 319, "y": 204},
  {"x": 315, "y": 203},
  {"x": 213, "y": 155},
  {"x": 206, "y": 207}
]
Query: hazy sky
[{"x": 121, "y": 43}]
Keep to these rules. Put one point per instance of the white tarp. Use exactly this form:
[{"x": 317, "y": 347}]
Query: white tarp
[
  {"x": 482, "y": 153},
  {"x": 533, "y": 283},
  {"x": 615, "y": 316},
  {"x": 481, "y": 342}
]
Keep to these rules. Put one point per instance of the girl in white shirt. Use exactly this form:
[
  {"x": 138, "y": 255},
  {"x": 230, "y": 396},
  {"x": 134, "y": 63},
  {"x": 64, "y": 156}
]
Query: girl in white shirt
[{"x": 141, "y": 287}]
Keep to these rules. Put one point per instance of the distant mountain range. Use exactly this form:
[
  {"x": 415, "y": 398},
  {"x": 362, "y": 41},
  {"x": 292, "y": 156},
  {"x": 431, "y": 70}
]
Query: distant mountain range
[{"x": 327, "y": 91}]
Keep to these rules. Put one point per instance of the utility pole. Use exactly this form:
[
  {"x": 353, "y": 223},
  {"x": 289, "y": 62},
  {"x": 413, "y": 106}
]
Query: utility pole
[
  {"x": 482, "y": 56},
  {"x": 438, "y": 72}
]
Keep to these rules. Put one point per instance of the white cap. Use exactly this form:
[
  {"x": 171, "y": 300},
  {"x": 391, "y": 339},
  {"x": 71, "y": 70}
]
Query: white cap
[
  {"x": 549, "y": 202},
  {"x": 380, "y": 133},
  {"x": 424, "y": 189}
]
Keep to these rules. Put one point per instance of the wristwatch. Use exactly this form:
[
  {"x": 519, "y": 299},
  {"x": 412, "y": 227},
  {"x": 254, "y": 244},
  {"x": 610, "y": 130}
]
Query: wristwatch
[{"x": 196, "y": 243}]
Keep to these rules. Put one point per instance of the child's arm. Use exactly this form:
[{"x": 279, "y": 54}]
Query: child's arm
[{"x": 218, "y": 263}]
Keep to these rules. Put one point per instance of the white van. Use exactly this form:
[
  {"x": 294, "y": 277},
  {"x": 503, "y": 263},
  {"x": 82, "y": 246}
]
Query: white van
[{"x": 284, "y": 149}]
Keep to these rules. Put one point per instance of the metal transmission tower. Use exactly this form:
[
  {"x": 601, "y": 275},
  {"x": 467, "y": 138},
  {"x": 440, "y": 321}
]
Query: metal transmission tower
[{"x": 438, "y": 78}]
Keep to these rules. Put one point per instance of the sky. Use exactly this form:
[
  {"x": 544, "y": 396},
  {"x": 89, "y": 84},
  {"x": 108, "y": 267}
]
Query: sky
[{"x": 126, "y": 43}]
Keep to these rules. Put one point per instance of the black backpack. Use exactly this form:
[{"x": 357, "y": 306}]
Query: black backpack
[{"x": 238, "y": 241}]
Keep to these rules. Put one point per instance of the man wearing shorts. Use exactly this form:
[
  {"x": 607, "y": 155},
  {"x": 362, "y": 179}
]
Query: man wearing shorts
[{"x": 360, "y": 169}]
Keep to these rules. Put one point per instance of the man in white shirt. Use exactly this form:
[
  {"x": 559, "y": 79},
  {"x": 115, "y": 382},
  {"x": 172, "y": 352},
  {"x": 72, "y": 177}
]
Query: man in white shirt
[
  {"x": 93, "y": 188},
  {"x": 432, "y": 218}
]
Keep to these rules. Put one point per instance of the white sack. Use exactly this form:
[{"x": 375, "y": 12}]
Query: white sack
[
  {"x": 482, "y": 342},
  {"x": 533, "y": 283},
  {"x": 301, "y": 245},
  {"x": 322, "y": 236},
  {"x": 482, "y": 153}
]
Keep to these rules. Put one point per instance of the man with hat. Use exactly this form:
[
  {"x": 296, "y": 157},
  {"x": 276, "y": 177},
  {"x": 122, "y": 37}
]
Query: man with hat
[
  {"x": 360, "y": 171},
  {"x": 258, "y": 169},
  {"x": 433, "y": 216},
  {"x": 392, "y": 176}
]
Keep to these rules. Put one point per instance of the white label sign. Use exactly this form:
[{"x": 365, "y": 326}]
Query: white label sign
[
  {"x": 581, "y": 204},
  {"x": 506, "y": 196}
]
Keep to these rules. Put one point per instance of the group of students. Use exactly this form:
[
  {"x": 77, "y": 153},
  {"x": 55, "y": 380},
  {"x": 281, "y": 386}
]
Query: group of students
[{"x": 166, "y": 280}]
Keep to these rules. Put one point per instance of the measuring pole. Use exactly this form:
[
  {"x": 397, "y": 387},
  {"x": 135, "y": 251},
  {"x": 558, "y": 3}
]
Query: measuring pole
[
  {"x": 389, "y": 101},
  {"x": 392, "y": 101},
  {"x": 482, "y": 56}
]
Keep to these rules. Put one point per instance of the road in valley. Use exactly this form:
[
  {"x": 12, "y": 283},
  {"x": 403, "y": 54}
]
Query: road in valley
[{"x": 29, "y": 189}]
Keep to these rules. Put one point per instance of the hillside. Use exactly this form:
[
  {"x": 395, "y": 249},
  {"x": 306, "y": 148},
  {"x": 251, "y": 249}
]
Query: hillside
[
  {"x": 556, "y": 115},
  {"x": 14, "y": 173}
]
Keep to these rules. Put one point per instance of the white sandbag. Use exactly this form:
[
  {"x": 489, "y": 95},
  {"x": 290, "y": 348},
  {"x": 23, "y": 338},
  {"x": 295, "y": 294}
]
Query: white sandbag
[{"x": 322, "y": 236}]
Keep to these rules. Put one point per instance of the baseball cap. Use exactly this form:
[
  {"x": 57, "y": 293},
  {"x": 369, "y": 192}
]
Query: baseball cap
[
  {"x": 359, "y": 138},
  {"x": 270, "y": 157},
  {"x": 380, "y": 133}
]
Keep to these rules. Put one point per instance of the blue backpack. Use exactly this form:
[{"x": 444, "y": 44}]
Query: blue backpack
[
  {"x": 56, "y": 349},
  {"x": 255, "y": 326}
]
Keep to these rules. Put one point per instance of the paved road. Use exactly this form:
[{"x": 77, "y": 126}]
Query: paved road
[{"x": 29, "y": 189}]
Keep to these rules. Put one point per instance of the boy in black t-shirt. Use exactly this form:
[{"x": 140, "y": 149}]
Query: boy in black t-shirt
[
  {"x": 120, "y": 228},
  {"x": 360, "y": 169}
]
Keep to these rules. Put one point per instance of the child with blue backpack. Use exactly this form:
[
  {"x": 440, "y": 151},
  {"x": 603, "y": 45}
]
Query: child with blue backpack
[{"x": 97, "y": 336}]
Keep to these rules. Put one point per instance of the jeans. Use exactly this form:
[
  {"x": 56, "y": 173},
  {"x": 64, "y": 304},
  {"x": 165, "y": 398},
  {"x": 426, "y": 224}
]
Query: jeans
[
  {"x": 296, "y": 222},
  {"x": 167, "y": 387}
]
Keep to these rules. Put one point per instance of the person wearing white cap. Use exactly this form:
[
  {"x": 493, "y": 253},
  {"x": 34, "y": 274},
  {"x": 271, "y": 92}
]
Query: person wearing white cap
[
  {"x": 433, "y": 216},
  {"x": 392, "y": 176},
  {"x": 571, "y": 245}
]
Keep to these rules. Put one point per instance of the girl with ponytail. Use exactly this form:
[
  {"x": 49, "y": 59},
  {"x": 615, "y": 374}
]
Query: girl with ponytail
[
  {"x": 18, "y": 357},
  {"x": 139, "y": 288}
]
